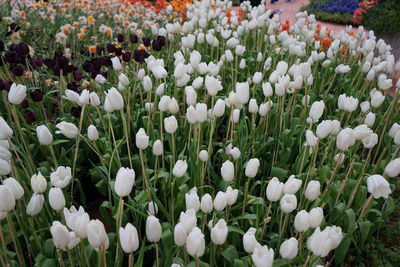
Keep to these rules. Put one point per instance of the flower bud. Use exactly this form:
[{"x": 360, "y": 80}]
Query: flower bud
[
  {"x": 220, "y": 201},
  {"x": 316, "y": 216},
  {"x": 129, "y": 238},
  {"x": 192, "y": 200},
  {"x": 113, "y": 101},
  {"x": 158, "y": 149},
  {"x": 378, "y": 186},
  {"x": 203, "y": 155},
  {"x": 219, "y": 232},
  {"x": 252, "y": 168},
  {"x": 7, "y": 199},
  {"x": 312, "y": 191},
  {"x": 15, "y": 187},
  {"x": 288, "y": 203},
  {"x": 227, "y": 171},
  {"x": 92, "y": 133},
  {"x": 60, "y": 235},
  {"x": 242, "y": 92},
  {"x": 56, "y": 199},
  {"x": 262, "y": 256},
  {"x": 61, "y": 177},
  {"x": 142, "y": 140},
  {"x": 393, "y": 168},
  {"x": 170, "y": 124},
  {"x": 316, "y": 110},
  {"x": 16, "y": 94},
  {"x": 274, "y": 189},
  {"x": 97, "y": 235},
  {"x": 5, "y": 167},
  {"x": 180, "y": 168},
  {"x": 153, "y": 229},
  {"x": 231, "y": 195},
  {"x": 292, "y": 185},
  {"x": 180, "y": 235},
  {"x": 5, "y": 130},
  {"x": 35, "y": 205},
  {"x": 206, "y": 203},
  {"x": 301, "y": 221},
  {"x": 44, "y": 135},
  {"x": 195, "y": 243},
  {"x": 38, "y": 183},
  {"x": 124, "y": 182},
  {"x": 345, "y": 139},
  {"x": 249, "y": 240},
  {"x": 69, "y": 130},
  {"x": 219, "y": 108},
  {"x": 289, "y": 248}
]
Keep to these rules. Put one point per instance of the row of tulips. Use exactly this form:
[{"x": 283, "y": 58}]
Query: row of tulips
[{"x": 241, "y": 141}]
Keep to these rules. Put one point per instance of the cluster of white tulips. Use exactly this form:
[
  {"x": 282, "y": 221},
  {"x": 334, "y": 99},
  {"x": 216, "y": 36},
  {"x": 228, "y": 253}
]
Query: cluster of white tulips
[{"x": 246, "y": 141}]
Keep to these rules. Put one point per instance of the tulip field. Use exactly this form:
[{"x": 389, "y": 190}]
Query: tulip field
[{"x": 136, "y": 133}]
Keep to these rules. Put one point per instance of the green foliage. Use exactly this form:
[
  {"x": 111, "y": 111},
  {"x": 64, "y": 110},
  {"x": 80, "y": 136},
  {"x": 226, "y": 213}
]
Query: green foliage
[
  {"x": 339, "y": 18},
  {"x": 384, "y": 17}
]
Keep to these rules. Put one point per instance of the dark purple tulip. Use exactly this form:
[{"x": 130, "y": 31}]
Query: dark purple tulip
[
  {"x": 87, "y": 66},
  {"x": 30, "y": 116},
  {"x": 97, "y": 65},
  {"x": 48, "y": 62},
  {"x": 77, "y": 76},
  {"x": 2, "y": 85},
  {"x": 133, "y": 38},
  {"x": 17, "y": 70},
  {"x": 104, "y": 74},
  {"x": 99, "y": 50},
  {"x": 156, "y": 45},
  {"x": 58, "y": 54},
  {"x": 161, "y": 39},
  {"x": 93, "y": 74},
  {"x": 140, "y": 55},
  {"x": 110, "y": 48},
  {"x": 118, "y": 51},
  {"x": 11, "y": 56},
  {"x": 25, "y": 103},
  {"x": 23, "y": 49},
  {"x": 69, "y": 68},
  {"x": 126, "y": 56},
  {"x": 73, "y": 86},
  {"x": 14, "y": 27},
  {"x": 36, "y": 63},
  {"x": 7, "y": 85},
  {"x": 105, "y": 61},
  {"x": 37, "y": 95},
  {"x": 146, "y": 41},
  {"x": 13, "y": 47},
  {"x": 120, "y": 38},
  {"x": 76, "y": 112}
]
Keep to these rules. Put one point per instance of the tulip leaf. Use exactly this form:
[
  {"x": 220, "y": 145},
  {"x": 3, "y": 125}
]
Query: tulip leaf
[
  {"x": 278, "y": 172},
  {"x": 48, "y": 263},
  {"x": 350, "y": 220},
  {"x": 364, "y": 226},
  {"x": 239, "y": 263},
  {"x": 388, "y": 206},
  {"x": 235, "y": 229},
  {"x": 230, "y": 253},
  {"x": 342, "y": 249},
  {"x": 49, "y": 248}
]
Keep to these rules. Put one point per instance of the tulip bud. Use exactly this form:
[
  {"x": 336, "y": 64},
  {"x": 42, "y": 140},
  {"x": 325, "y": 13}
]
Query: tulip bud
[
  {"x": 292, "y": 185},
  {"x": 311, "y": 139},
  {"x": 213, "y": 85},
  {"x": 116, "y": 63},
  {"x": 56, "y": 199},
  {"x": 206, "y": 203},
  {"x": 170, "y": 124},
  {"x": 312, "y": 191},
  {"x": 378, "y": 186},
  {"x": 188, "y": 219},
  {"x": 235, "y": 115},
  {"x": 220, "y": 201},
  {"x": 158, "y": 149},
  {"x": 73, "y": 240},
  {"x": 60, "y": 235},
  {"x": 35, "y": 205},
  {"x": 129, "y": 238},
  {"x": 324, "y": 128},
  {"x": 5, "y": 130},
  {"x": 100, "y": 79},
  {"x": 370, "y": 119},
  {"x": 262, "y": 256},
  {"x": 15, "y": 187},
  {"x": 5, "y": 167},
  {"x": 301, "y": 221},
  {"x": 203, "y": 155},
  {"x": 253, "y": 107},
  {"x": 219, "y": 232},
  {"x": 316, "y": 110},
  {"x": 289, "y": 248},
  {"x": 274, "y": 189},
  {"x": 97, "y": 235},
  {"x": 257, "y": 77},
  {"x": 180, "y": 168},
  {"x": 231, "y": 195},
  {"x": 69, "y": 130},
  {"x": 227, "y": 171},
  {"x": 201, "y": 112},
  {"x": 180, "y": 235},
  {"x": 219, "y": 108},
  {"x": 235, "y": 153},
  {"x": 195, "y": 243},
  {"x": 393, "y": 168},
  {"x": 192, "y": 200},
  {"x": 160, "y": 89},
  {"x": 173, "y": 106},
  {"x": 249, "y": 240},
  {"x": 267, "y": 89},
  {"x": 242, "y": 92},
  {"x": 7, "y": 199},
  {"x": 252, "y": 168},
  {"x": 16, "y": 94},
  {"x": 345, "y": 139},
  {"x": 113, "y": 101},
  {"x": 288, "y": 203},
  {"x": 38, "y": 183},
  {"x": 92, "y": 133},
  {"x": 94, "y": 99},
  {"x": 147, "y": 84},
  {"x": 316, "y": 216},
  {"x": 142, "y": 140},
  {"x": 152, "y": 208},
  {"x": 153, "y": 229},
  {"x": 124, "y": 182},
  {"x": 44, "y": 135}
]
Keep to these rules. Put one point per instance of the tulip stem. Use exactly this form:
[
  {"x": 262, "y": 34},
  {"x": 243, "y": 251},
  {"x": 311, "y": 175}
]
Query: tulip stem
[
  {"x": 130, "y": 260},
  {"x": 365, "y": 207},
  {"x": 145, "y": 181},
  {"x": 53, "y": 155},
  {"x": 197, "y": 261},
  {"x": 124, "y": 124},
  {"x": 85, "y": 254},
  {"x": 245, "y": 195},
  {"x": 119, "y": 222},
  {"x": 157, "y": 256},
  {"x": 60, "y": 258},
  {"x": 78, "y": 139},
  {"x": 283, "y": 228},
  {"x": 4, "y": 248},
  {"x": 173, "y": 148},
  {"x": 16, "y": 245}
]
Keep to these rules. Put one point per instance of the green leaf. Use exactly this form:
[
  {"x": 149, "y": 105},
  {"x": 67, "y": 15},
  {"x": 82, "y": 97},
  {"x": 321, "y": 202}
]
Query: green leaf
[
  {"x": 350, "y": 221},
  {"x": 230, "y": 253},
  {"x": 364, "y": 226},
  {"x": 48, "y": 263},
  {"x": 278, "y": 172},
  {"x": 341, "y": 250},
  {"x": 49, "y": 248}
]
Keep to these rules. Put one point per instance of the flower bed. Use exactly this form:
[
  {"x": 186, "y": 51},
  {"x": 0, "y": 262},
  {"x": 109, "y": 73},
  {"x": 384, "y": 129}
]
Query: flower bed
[
  {"x": 133, "y": 133},
  {"x": 336, "y": 11}
]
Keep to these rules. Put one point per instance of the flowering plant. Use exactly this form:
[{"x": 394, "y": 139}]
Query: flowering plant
[{"x": 130, "y": 136}]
